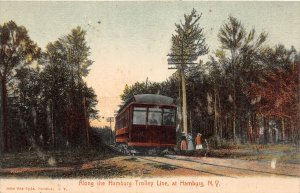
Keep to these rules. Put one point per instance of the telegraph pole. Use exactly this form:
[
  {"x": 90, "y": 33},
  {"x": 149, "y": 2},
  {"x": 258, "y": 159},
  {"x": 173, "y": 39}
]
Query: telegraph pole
[
  {"x": 184, "y": 109},
  {"x": 180, "y": 67},
  {"x": 110, "y": 120},
  {"x": 187, "y": 45}
]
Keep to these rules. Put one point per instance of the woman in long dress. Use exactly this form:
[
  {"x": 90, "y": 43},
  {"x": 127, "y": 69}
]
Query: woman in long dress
[
  {"x": 183, "y": 144},
  {"x": 198, "y": 142}
]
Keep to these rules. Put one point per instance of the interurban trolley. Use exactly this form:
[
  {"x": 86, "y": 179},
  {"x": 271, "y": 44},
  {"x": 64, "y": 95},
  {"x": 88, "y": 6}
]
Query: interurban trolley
[{"x": 145, "y": 123}]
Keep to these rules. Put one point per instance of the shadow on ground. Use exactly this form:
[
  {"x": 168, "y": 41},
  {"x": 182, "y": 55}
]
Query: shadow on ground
[
  {"x": 97, "y": 172},
  {"x": 60, "y": 164}
]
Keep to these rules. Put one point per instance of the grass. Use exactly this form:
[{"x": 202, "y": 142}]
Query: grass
[
  {"x": 132, "y": 159},
  {"x": 165, "y": 167},
  {"x": 52, "y": 158},
  {"x": 283, "y": 153},
  {"x": 59, "y": 164},
  {"x": 92, "y": 163},
  {"x": 98, "y": 172}
]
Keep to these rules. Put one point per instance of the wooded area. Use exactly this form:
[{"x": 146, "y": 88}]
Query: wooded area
[
  {"x": 44, "y": 100},
  {"x": 247, "y": 91}
]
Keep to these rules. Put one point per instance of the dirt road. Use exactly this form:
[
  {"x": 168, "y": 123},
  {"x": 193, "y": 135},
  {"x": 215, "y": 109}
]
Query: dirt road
[{"x": 151, "y": 166}]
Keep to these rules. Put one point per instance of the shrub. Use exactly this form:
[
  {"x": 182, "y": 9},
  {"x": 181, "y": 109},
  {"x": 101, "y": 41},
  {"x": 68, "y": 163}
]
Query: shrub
[{"x": 218, "y": 143}]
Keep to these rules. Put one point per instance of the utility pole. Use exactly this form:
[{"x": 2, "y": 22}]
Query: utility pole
[
  {"x": 180, "y": 67},
  {"x": 146, "y": 82},
  {"x": 110, "y": 120},
  {"x": 184, "y": 108},
  {"x": 187, "y": 45}
]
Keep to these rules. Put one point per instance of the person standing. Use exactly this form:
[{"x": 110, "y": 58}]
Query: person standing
[
  {"x": 183, "y": 144},
  {"x": 198, "y": 142},
  {"x": 190, "y": 143}
]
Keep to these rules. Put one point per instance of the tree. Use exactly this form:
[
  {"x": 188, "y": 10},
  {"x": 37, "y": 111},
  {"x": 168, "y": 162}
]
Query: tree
[
  {"x": 16, "y": 50},
  {"x": 28, "y": 106},
  {"x": 78, "y": 53},
  {"x": 187, "y": 45},
  {"x": 275, "y": 94},
  {"x": 243, "y": 49},
  {"x": 215, "y": 79},
  {"x": 66, "y": 63},
  {"x": 90, "y": 102},
  {"x": 141, "y": 88},
  {"x": 57, "y": 76},
  {"x": 136, "y": 88}
]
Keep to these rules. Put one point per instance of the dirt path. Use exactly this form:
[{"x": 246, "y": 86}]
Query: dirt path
[
  {"x": 236, "y": 167},
  {"x": 120, "y": 166},
  {"x": 171, "y": 166},
  {"x": 259, "y": 167}
]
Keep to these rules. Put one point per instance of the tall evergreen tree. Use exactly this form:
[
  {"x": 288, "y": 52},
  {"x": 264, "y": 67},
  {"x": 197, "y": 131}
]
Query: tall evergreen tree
[
  {"x": 67, "y": 62},
  {"x": 188, "y": 44},
  {"x": 242, "y": 49},
  {"x": 16, "y": 50}
]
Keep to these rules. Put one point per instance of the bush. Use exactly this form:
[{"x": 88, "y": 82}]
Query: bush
[{"x": 217, "y": 143}]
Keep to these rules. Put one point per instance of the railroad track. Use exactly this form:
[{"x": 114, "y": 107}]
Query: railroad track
[
  {"x": 179, "y": 165},
  {"x": 236, "y": 169},
  {"x": 261, "y": 170},
  {"x": 217, "y": 169}
]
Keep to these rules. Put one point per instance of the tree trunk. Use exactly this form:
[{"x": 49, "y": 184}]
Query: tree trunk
[
  {"x": 191, "y": 122},
  {"x": 220, "y": 117},
  {"x": 1, "y": 122},
  {"x": 215, "y": 114},
  {"x": 249, "y": 130},
  {"x": 266, "y": 130},
  {"x": 282, "y": 129},
  {"x": 205, "y": 126},
  {"x": 242, "y": 125},
  {"x": 86, "y": 121},
  {"x": 255, "y": 128},
  {"x": 226, "y": 126},
  {"x": 292, "y": 132},
  {"x": 234, "y": 116},
  {"x": 50, "y": 122},
  {"x": 6, "y": 132}
]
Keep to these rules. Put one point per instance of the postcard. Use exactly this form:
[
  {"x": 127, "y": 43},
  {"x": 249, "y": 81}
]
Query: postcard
[{"x": 149, "y": 96}]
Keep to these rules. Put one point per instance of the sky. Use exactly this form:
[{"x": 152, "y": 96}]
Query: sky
[{"x": 130, "y": 41}]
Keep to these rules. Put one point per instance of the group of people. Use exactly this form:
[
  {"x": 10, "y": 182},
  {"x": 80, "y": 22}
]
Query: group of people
[{"x": 187, "y": 142}]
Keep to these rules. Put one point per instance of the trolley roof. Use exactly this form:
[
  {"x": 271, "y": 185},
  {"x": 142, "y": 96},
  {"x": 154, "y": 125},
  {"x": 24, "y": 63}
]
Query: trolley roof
[
  {"x": 153, "y": 99},
  {"x": 149, "y": 99}
]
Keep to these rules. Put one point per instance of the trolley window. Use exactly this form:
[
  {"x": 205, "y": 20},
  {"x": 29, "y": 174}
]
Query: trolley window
[
  {"x": 139, "y": 115},
  {"x": 169, "y": 117},
  {"x": 154, "y": 116}
]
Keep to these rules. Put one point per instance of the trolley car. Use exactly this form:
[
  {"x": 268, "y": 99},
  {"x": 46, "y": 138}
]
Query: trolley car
[{"x": 146, "y": 122}]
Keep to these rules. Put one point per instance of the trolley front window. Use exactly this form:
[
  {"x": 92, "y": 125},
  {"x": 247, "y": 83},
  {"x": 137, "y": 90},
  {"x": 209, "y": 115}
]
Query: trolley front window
[
  {"x": 139, "y": 115},
  {"x": 154, "y": 116},
  {"x": 169, "y": 117}
]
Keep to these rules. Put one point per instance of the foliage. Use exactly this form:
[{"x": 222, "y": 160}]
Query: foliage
[
  {"x": 168, "y": 87},
  {"x": 16, "y": 51},
  {"x": 66, "y": 62},
  {"x": 188, "y": 43},
  {"x": 244, "y": 87},
  {"x": 48, "y": 102}
]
